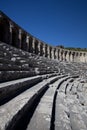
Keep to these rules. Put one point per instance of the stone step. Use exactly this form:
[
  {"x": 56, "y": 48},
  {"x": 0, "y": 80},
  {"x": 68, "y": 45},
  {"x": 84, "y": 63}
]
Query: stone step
[
  {"x": 12, "y": 111},
  {"x": 43, "y": 113},
  {"x": 64, "y": 86},
  {"x": 11, "y": 89},
  {"x": 4, "y": 67},
  {"x": 69, "y": 112},
  {"x": 62, "y": 122},
  {"x": 76, "y": 119},
  {"x": 13, "y": 75}
]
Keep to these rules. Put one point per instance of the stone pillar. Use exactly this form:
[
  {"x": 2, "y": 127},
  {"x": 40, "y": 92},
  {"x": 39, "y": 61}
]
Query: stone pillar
[
  {"x": 52, "y": 53},
  {"x": 56, "y": 53},
  {"x": 67, "y": 56},
  {"x": 76, "y": 57},
  {"x": 71, "y": 57},
  {"x": 11, "y": 26},
  {"x": 84, "y": 57},
  {"x": 39, "y": 51},
  {"x": 63, "y": 55},
  {"x": 20, "y": 37},
  {"x": 60, "y": 55},
  {"x": 33, "y": 45},
  {"x": 48, "y": 51},
  {"x": 44, "y": 51},
  {"x": 27, "y": 42},
  {"x": 79, "y": 57}
]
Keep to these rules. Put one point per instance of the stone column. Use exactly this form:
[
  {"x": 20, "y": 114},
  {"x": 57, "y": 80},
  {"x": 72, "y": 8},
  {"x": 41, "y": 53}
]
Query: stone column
[
  {"x": 60, "y": 55},
  {"x": 63, "y": 55},
  {"x": 20, "y": 37},
  {"x": 78, "y": 57},
  {"x": 33, "y": 45},
  {"x": 86, "y": 58},
  {"x": 52, "y": 53},
  {"x": 27, "y": 41},
  {"x": 39, "y": 51},
  {"x": 48, "y": 51},
  {"x": 56, "y": 53},
  {"x": 82, "y": 58},
  {"x": 71, "y": 57},
  {"x": 44, "y": 51},
  {"x": 11, "y": 26},
  {"x": 75, "y": 57},
  {"x": 67, "y": 56}
]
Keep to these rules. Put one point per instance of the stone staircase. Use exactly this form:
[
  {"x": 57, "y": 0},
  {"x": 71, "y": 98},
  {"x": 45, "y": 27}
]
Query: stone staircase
[{"x": 37, "y": 93}]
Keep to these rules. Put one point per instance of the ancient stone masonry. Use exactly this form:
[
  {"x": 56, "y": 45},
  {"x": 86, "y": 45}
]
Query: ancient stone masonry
[
  {"x": 14, "y": 35},
  {"x": 41, "y": 87}
]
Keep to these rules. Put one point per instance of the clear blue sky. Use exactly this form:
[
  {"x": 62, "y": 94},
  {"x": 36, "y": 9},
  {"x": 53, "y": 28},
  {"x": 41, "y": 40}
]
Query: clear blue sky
[{"x": 53, "y": 21}]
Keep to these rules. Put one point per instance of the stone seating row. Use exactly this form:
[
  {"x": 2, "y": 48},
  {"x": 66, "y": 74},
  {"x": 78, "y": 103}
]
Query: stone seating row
[
  {"x": 14, "y": 61},
  {"x": 27, "y": 80},
  {"x": 15, "y": 108}
]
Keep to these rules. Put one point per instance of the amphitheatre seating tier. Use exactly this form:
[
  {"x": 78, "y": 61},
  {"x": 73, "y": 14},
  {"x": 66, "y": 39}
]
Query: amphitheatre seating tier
[
  {"x": 40, "y": 93},
  {"x": 42, "y": 87}
]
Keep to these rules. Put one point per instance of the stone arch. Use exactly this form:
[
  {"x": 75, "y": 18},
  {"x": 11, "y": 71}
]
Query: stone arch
[
  {"x": 23, "y": 41},
  {"x": 4, "y": 30},
  {"x": 15, "y": 37}
]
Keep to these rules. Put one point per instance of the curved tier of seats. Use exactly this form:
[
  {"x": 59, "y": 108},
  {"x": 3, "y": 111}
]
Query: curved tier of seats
[{"x": 37, "y": 93}]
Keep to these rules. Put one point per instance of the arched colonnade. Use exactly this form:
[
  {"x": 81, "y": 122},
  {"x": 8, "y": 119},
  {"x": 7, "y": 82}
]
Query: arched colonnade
[{"x": 14, "y": 35}]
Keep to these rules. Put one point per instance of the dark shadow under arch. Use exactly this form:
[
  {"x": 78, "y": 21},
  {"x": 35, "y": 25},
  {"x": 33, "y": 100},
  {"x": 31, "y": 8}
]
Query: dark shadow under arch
[{"x": 4, "y": 30}]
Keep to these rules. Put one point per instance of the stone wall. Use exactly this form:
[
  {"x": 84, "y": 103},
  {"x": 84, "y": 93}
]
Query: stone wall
[{"x": 14, "y": 35}]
